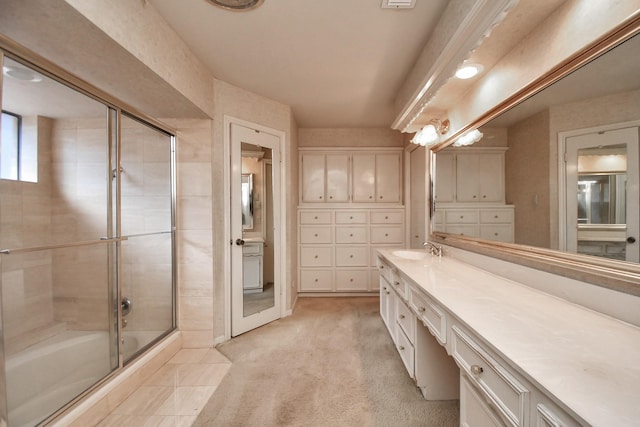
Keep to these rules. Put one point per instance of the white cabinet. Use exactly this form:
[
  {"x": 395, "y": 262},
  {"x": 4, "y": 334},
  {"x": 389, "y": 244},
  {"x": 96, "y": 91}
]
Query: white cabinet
[
  {"x": 325, "y": 178},
  {"x": 252, "y": 258},
  {"x": 474, "y": 410},
  {"x": 351, "y": 176},
  {"x": 470, "y": 175},
  {"x": 377, "y": 178},
  {"x": 480, "y": 177},
  {"x": 336, "y": 246},
  {"x": 492, "y": 222}
]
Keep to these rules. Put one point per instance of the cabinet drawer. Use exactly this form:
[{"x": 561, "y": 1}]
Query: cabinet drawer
[
  {"x": 385, "y": 270},
  {"x": 496, "y": 216},
  {"x": 399, "y": 285},
  {"x": 463, "y": 230},
  {"x": 387, "y": 234},
  {"x": 351, "y": 217},
  {"x": 316, "y": 256},
  {"x": 405, "y": 348},
  {"x": 352, "y": 235},
  {"x": 392, "y": 217},
  {"x": 430, "y": 314},
  {"x": 316, "y": 235},
  {"x": 406, "y": 320},
  {"x": 461, "y": 217},
  {"x": 352, "y": 280},
  {"x": 316, "y": 280},
  {"x": 474, "y": 410},
  {"x": 315, "y": 217},
  {"x": 352, "y": 256},
  {"x": 497, "y": 232},
  {"x": 252, "y": 249},
  {"x": 508, "y": 395},
  {"x": 438, "y": 217}
]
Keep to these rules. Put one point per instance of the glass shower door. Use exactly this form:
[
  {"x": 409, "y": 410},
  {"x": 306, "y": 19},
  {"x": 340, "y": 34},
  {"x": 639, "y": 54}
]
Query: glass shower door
[{"x": 146, "y": 262}]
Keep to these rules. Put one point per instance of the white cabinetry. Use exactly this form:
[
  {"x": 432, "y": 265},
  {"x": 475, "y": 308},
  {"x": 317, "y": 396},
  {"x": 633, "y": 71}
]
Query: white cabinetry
[
  {"x": 351, "y": 176},
  {"x": 325, "y": 178},
  {"x": 470, "y": 195},
  {"x": 337, "y": 247},
  {"x": 252, "y": 256}
]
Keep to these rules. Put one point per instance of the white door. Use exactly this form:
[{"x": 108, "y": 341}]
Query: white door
[
  {"x": 602, "y": 194},
  {"x": 388, "y": 177},
  {"x": 254, "y": 209}
]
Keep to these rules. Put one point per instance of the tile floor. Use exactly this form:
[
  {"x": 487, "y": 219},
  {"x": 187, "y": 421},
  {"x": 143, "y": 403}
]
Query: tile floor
[{"x": 175, "y": 394}]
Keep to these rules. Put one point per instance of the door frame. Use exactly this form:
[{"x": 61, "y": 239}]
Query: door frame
[
  {"x": 562, "y": 177},
  {"x": 284, "y": 289}
]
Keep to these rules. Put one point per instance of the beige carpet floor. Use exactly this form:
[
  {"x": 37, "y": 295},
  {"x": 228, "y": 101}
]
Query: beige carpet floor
[{"x": 332, "y": 363}]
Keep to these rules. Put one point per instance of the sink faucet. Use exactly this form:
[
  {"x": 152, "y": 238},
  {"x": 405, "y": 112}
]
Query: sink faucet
[{"x": 433, "y": 249}]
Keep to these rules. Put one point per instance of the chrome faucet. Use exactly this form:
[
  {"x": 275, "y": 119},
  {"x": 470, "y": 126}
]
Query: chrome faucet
[{"x": 433, "y": 249}]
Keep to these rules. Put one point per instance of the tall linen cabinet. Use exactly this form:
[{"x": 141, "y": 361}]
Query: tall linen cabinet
[{"x": 350, "y": 205}]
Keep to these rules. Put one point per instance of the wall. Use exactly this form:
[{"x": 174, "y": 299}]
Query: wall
[
  {"x": 25, "y": 221},
  {"x": 527, "y": 180},
  {"x": 350, "y": 137}
]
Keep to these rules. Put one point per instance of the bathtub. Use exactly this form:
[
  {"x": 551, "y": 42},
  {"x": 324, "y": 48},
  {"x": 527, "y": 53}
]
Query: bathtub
[{"x": 44, "y": 377}]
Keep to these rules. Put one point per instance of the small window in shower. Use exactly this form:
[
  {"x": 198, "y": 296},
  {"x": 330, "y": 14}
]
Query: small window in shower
[{"x": 18, "y": 157}]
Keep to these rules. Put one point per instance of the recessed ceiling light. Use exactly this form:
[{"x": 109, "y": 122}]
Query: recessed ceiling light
[
  {"x": 466, "y": 71},
  {"x": 22, "y": 74},
  {"x": 237, "y": 5}
]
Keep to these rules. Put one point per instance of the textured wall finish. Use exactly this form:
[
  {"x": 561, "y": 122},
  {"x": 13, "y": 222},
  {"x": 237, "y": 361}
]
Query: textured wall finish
[{"x": 349, "y": 137}]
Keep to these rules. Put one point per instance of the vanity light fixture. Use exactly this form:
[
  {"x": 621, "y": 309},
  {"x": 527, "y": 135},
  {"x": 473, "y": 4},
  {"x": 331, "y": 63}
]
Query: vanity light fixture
[
  {"x": 237, "y": 5},
  {"x": 468, "y": 138},
  {"x": 466, "y": 71},
  {"x": 430, "y": 134}
]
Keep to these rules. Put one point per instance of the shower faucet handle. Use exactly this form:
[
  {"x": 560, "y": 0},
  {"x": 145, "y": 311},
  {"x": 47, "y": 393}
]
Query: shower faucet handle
[{"x": 126, "y": 306}]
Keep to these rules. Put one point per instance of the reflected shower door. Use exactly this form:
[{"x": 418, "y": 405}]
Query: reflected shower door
[{"x": 146, "y": 261}]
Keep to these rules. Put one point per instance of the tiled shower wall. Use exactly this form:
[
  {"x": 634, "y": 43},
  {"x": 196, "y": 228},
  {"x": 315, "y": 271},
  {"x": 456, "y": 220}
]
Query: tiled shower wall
[{"x": 25, "y": 221}]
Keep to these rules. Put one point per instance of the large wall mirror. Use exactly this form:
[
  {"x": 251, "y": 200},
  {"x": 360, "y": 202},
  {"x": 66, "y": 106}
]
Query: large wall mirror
[{"x": 554, "y": 182}]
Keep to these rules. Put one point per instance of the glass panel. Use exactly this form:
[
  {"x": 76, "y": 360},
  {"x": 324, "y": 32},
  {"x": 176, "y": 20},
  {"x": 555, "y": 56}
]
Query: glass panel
[
  {"x": 69, "y": 134},
  {"x": 257, "y": 252},
  {"x": 147, "y": 285},
  {"x": 57, "y": 328},
  {"x": 146, "y": 260}
]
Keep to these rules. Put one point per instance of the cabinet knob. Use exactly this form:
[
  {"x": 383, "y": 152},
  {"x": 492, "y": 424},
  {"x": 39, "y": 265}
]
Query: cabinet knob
[
  {"x": 386, "y": 234},
  {"x": 320, "y": 197},
  {"x": 351, "y": 256},
  {"x": 371, "y": 197},
  {"x": 351, "y": 235},
  {"x": 350, "y": 217},
  {"x": 401, "y": 316},
  {"x": 474, "y": 196},
  {"x": 387, "y": 292},
  {"x": 351, "y": 280},
  {"x": 495, "y": 234},
  {"x": 316, "y": 280},
  {"x": 316, "y": 256},
  {"x": 422, "y": 309},
  {"x": 315, "y": 217},
  {"x": 401, "y": 348},
  {"x": 315, "y": 235},
  {"x": 380, "y": 197},
  {"x": 496, "y": 216},
  {"x": 386, "y": 217},
  {"x": 476, "y": 370},
  {"x": 331, "y": 197},
  {"x": 382, "y": 267},
  {"x": 396, "y": 283},
  {"x": 484, "y": 196}
]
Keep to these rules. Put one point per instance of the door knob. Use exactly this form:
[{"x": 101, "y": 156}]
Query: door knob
[
  {"x": 126, "y": 306},
  {"x": 239, "y": 242},
  {"x": 631, "y": 239}
]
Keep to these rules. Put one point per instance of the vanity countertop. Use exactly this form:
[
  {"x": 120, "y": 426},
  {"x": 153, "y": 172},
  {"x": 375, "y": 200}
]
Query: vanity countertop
[{"x": 590, "y": 362}]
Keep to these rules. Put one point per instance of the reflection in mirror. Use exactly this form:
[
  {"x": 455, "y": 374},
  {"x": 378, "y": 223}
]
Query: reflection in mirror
[
  {"x": 558, "y": 171},
  {"x": 257, "y": 252},
  {"x": 247, "y": 201}
]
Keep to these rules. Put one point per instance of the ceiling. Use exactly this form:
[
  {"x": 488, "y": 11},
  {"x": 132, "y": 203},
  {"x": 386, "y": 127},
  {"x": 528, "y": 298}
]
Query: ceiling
[{"x": 336, "y": 63}]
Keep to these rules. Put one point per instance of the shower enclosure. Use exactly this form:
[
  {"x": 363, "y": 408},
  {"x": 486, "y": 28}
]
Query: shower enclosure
[{"x": 86, "y": 241}]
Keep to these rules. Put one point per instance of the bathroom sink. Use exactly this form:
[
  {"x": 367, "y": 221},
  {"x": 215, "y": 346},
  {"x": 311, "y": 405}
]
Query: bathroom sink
[{"x": 412, "y": 255}]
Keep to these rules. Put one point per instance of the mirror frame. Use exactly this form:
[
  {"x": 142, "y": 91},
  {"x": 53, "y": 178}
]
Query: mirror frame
[
  {"x": 617, "y": 275},
  {"x": 247, "y": 210}
]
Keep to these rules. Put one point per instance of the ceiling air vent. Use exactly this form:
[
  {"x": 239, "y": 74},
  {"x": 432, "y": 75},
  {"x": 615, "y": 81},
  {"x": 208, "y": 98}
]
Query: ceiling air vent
[{"x": 398, "y": 4}]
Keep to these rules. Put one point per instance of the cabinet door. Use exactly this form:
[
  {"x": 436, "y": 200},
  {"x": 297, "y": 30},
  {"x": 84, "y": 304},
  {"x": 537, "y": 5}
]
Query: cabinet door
[
  {"x": 388, "y": 178},
  {"x": 474, "y": 411},
  {"x": 445, "y": 177},
  {"x": 364, "y": 178},
  {"x": 480, "y": 177},
  {"x": 252, "y": 272},
  {"x": 337, "y": 171},
  {"x": 313, "y": 173}
]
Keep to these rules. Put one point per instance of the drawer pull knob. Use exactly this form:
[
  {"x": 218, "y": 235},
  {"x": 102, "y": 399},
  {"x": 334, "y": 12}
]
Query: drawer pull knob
[
  {"x": 351, "y": 280},
  {"x": 351, "y": 235},
  {"x": 496, "y": 216},
  {"x": 371, "y": 197},
  {"x": 474, "y": 196},
  {"x": 320, "y": 197},
  {"x": 386, "y": 217},
  {"x": 401, "y": 348},
  {"x": 316, "y": 256},
  {"x": 316, "y": 280},
  {"x": 315, "y": 217},
  {"x": 401, "y": 316},
  {"x": 350, "y": 256},
  {"x": 396, "y": 283},
  {"x": 331, "y": 197},
  {"x": 484, "y": 196},
  {"x": 387, "y": 292},
  {"x": 350, "y": 217},
  {"x": 495, "y": 234},
  {"x": 476, "y": 370},
  {"x": 380, "y": 197},
  {"x": 461, "y": 216},
  {"x": 382, "y": 267},
  {"x": 316, "y": 235},
  {"x": 422, "y": 309},
  {"x": 386, "y": 234}
]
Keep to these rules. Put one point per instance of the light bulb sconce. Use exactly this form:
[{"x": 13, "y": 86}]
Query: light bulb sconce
[
  {"x": 430, "y": 133},
  {"x": 468, "y": 138}
]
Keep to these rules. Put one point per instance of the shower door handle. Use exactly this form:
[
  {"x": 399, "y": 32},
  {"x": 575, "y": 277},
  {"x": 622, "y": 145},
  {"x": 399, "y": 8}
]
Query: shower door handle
[{"x": 126, "y": 306}]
